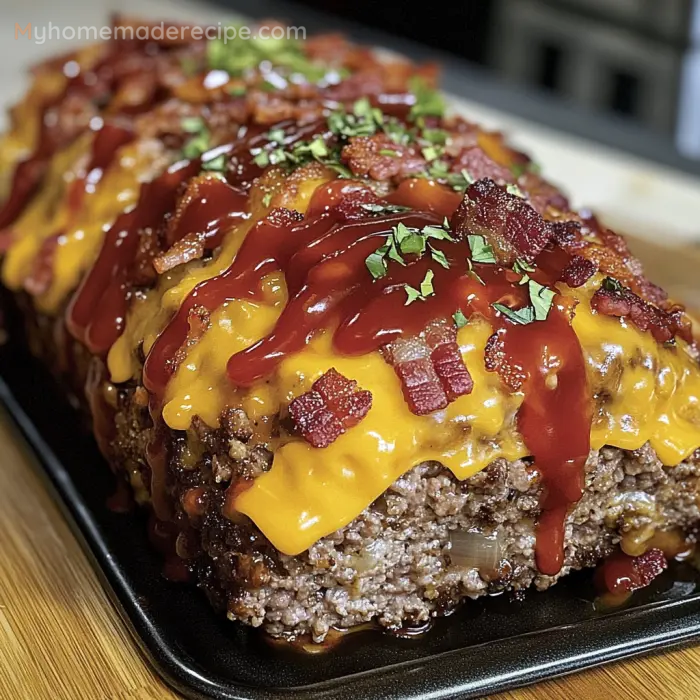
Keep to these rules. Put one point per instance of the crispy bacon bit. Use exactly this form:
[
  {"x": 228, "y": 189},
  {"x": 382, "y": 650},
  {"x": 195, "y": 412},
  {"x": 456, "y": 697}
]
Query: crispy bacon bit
[
  {"x": 447, "y": 360},
  {"x": 512, "y": 227},
  {"x": 191, "y": 247},
  {"x": 495, "y": 360},
  {"x": 430, "y": 368},
  {"x": 621, "y": 574},
  {"x": 333, "y": 404},
  {"x": 578, "y": 271},
  {"x": 475, "y": 161},
  {"x": 622, "y": 303},
  {"x": 198, "y": 320},
  {"x": 381, "y": 158}
]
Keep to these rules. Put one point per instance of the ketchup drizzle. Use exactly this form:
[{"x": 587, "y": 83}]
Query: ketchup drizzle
[{"x": 323, "y": 260}]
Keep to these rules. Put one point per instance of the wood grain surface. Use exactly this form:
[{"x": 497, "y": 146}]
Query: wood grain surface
[{"x": 60, "y": 638}]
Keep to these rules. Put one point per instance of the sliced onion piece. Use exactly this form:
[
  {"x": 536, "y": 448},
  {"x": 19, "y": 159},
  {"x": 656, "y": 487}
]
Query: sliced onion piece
[{"x": 475, "y": 550}]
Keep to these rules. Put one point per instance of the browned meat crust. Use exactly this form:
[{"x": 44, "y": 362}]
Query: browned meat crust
[{"x": 392, "y": 564}]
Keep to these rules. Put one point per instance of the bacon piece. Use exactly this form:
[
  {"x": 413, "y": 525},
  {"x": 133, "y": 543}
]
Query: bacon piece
[
  {"x": 578, "y": 271},
  {"x": 198, "y": 320},
  {"x": 430, "y": 368},
  {"x": 420, "y": 383},
  {"x": 191, "y": 247},
  {"x": 475, "y": 161},
  {"x": 441, "y": 338},
  {"x": 512, "y": 227},
  {"x": 622, "y": 303},
  {"x": 381, "y": 159},
  {"x": 333, "y": 404}
]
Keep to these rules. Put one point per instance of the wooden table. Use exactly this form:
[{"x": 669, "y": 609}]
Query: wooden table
[{"x": 60, "y": 638}]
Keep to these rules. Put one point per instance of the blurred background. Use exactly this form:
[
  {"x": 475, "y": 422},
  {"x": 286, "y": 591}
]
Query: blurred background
[{"x": 605, "y": 94}]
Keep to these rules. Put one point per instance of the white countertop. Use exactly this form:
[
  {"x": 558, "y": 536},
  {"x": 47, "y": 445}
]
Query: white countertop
[{"x": 632, "y": 195}]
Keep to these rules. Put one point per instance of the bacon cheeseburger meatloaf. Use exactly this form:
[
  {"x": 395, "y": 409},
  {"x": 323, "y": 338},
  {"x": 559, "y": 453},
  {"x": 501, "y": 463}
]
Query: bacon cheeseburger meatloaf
[{"x": 361, "y": 360}]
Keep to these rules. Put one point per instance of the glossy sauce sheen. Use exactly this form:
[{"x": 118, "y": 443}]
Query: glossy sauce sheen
[
  {"x": 322, "y": 259},
  {"x": 288, "y": 297}
]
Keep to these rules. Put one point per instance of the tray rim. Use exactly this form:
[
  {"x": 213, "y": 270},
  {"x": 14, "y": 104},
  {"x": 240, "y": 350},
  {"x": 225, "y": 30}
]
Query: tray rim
[{"x": 459, "y": 673}]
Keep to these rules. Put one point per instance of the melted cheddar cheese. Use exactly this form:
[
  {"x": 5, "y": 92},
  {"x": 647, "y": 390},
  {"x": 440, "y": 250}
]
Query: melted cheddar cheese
[
  {"x": 80, "y": 232},
  {"x": 644, "y": 392}
]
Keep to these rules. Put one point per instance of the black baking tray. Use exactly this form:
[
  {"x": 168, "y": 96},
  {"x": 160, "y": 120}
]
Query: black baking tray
[{"x": 486, "y": 646}]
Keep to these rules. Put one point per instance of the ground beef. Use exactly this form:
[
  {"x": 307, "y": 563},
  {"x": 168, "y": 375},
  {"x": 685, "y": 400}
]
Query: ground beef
[{"x": 392, "y": 564}]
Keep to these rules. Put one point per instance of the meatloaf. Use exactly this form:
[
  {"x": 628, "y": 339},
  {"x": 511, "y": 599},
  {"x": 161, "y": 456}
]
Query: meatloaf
[{"x": 357, "y": 357}]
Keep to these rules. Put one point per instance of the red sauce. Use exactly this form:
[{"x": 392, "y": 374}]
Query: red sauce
[
  {"x": 107, "y": 141},
  {"x": 97, "y": 312},
  {"x": 323, "y": 260},
  {"x": 621, "y": 574}
]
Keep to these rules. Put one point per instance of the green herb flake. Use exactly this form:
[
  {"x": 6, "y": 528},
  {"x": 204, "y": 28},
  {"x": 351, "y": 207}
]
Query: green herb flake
[
  {"x": 439, "y": 257},
  {"x": 521, "y": 317},
  {"x": 541, "y": 299},
  {"x": 460, "y": 319},
  {"x": 437, "y": 137},
  {"x": 412, "y": 295},
  {"x": 610, "y": 284},
  {"x": 474, "y": 273},
  {"x": 482, "y": 252},
  {"x": 429, "y": 102},
  {"x": 276, "y": 135},
  {"x": 521, "y": 267},
  {"x": 376, "y": 262},
  {"x": 216, "y": 164},
  {"x": 431, "y": 153},
  {"x": 426, "y": 286},
  {"x": 267, "y": 199},
  {"x": 192, "y": 125},
  {"x": 440, "y": 233},
  {"x": 515, "y": 191},
  {"x": 240, "y": 55},
  {"x": 261, "y": 159},
  {"x": 388, "y": 152},
  {"x": 426, "y": 289}
]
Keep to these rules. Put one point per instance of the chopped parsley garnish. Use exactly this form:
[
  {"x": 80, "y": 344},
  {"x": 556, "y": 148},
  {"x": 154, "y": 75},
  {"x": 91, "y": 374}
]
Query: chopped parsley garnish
[
  {"x": 439, "y": 170},
  {"x": 199, "y": 141},
  {"x": 276, "y": 135},
  {"x": 439, "y": 257},
  {"x": 267, "y": 198},
  {"x": 474, "y": 273},
  {"x": 541, "y": 299},
  {"x": 238, "y": 56},
  {"x": 236, "y": 90},
  {"x": 460, "y": 319},
  {"x": 407, "y": 241},
  {"x": 364, "y": 120},
  {"x": 192, "y": 125},
  {"x": 482, "y": 252},
  {"x": 431, "y": 152},
  {"x": 426, "y": 289},
  {"x": 610, "y": 284},
  {"x": 520, "y": 316},
  {"x": 515, "y": 191},
  {"x": 429, "y": 102},
  {"x": 521, "y": 267},
  {"x": 216, "y": 164}
]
